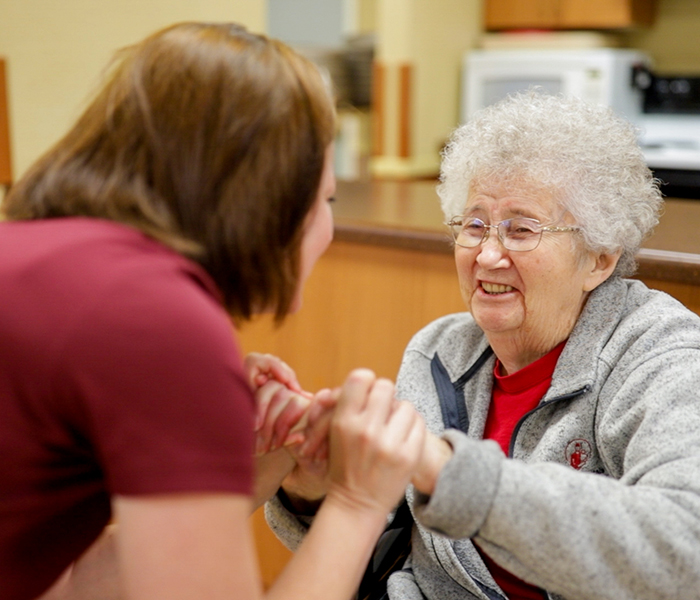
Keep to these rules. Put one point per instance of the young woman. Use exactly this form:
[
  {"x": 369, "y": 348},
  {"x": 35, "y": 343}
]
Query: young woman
[{"x": 193, "y": 189}]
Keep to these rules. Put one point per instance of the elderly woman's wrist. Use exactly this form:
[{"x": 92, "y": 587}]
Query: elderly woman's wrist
[
  {"x": 436, "y": 454},
  {"x": 298, "y": 504}
]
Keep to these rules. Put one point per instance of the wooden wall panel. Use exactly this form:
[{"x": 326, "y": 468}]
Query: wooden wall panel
[{"x": 362, "y": 304}]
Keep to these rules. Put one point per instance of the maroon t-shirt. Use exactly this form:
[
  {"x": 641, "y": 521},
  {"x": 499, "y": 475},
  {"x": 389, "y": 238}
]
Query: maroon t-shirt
[{"x": 119, "y": 374}]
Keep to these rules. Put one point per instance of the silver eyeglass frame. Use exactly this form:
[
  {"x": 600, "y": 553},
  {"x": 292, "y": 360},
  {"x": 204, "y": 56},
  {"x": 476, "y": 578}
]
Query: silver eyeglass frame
[{"x": 458, "y": 222}]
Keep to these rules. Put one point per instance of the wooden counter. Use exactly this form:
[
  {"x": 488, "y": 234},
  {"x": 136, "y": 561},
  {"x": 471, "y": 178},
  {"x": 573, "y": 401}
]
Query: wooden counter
[
  {"x": 406, "y": 214},
  {"x": 390, "y": 271}
]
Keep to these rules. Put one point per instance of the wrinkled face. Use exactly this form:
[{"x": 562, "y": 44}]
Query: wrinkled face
[
  {"x": 529, "y": 299},
  {"x": 318, "y": 228}
]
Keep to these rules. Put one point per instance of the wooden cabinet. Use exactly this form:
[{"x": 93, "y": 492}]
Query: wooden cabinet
[{"x": 568, "y": 14}]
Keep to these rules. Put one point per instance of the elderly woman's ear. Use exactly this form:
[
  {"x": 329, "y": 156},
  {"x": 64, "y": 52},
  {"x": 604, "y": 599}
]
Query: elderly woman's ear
[{"x": 599, "y": 268}]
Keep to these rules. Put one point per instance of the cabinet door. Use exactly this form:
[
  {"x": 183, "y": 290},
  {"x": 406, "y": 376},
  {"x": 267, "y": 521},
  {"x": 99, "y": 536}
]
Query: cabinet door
[
  {"x": 605, "y": 14},
  {"x": 568, "y": 14},
  {"x": 519, "y": 14}
]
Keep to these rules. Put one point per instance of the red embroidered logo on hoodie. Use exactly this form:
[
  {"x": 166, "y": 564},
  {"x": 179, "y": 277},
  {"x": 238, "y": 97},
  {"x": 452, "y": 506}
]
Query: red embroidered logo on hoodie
[{"x": 578, "y": 452}]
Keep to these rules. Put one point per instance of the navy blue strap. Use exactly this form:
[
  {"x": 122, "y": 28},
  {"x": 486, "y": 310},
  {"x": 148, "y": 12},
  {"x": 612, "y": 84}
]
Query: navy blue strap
[
  {"x": 451, "y": 395},
  {"x": 394, "y": 545}
]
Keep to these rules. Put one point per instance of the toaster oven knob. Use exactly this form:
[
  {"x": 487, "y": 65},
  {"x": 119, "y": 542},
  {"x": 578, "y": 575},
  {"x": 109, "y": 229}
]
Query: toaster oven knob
[
  {"x": 680, "y": 86},
  {"x": 641, "y": 77}
]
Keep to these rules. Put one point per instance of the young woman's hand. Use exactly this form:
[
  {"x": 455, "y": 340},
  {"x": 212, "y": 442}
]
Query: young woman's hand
[
  {"x": 261, "y": 368},
  {"x": 280, "y": 416},
  {"x": 278, "y": 411},
  {"x": 292, "y": 443},
  {"x": 376, "y": 443}
]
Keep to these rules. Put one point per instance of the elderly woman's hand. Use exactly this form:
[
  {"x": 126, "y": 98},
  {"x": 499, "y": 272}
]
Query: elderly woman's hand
[
  {"x": 292, "y": 444},
  {"x": 435, "y": 454},
  {"x": 307, "y": 483}
]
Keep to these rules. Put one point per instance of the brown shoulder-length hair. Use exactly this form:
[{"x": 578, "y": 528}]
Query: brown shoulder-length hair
[{"x": 208, "y": 138}]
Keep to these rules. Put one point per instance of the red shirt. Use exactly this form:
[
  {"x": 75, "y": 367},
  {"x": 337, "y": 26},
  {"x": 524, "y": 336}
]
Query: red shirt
[
  {"x": 119, "y": 374},
  {"x": 513, "y": 397}
]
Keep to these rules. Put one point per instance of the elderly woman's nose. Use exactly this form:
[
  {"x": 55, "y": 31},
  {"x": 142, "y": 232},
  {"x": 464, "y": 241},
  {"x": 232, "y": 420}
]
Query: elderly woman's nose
[{"x": 491, "y": 251}]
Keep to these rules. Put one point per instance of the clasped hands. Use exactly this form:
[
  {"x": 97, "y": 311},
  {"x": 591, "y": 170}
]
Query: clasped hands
[{"x": 357, "y": 441}]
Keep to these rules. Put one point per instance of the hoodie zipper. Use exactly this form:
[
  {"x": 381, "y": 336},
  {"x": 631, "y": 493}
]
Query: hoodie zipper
[{"x": 562, "y": 398}]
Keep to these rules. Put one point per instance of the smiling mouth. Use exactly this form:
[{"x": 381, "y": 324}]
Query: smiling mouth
[{"x": 495, "y": 288}]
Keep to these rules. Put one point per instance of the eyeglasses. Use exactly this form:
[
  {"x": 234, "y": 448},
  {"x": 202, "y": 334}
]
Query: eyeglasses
[{"x": 519, "y": 234}]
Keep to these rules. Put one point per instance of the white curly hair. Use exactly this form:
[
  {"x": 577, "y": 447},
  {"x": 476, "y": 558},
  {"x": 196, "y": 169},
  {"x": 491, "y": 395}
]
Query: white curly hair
[{"x": 583, "y": 154}]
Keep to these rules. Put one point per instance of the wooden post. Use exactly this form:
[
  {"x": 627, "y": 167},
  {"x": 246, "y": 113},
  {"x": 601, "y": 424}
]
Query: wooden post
[{"x": 5, "y": 160}]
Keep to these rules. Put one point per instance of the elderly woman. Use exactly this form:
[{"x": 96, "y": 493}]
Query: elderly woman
[{"x": 577, "y": 473}]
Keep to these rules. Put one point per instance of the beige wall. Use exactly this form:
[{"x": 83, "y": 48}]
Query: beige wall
[
  {"x": 430, "y": 38},
  {"x": 55, "y": 51},
  {"x": 443, "y": 40},
  {"x": 673, "y": 40},
  {"x": 366, "y": 16}
]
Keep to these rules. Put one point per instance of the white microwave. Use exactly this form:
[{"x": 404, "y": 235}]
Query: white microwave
[{"x": 600, "y": 75}]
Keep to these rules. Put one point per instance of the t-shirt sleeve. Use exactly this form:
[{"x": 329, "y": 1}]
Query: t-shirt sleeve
[{"x": 156, "y": 375}]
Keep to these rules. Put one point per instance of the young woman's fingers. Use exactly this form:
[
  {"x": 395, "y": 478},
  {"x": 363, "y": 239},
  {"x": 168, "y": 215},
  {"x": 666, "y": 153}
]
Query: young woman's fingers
[
  {"x": 285, "y": 408},
  {"x": 283, "y": 373},
  {"x": 260, "y": 368},
  {"x": 290, "y": 422},
  {"x": 381, "y": 400},
  {"x": 263, "y": 397},
  {"x": 354, "y": 392},
  {"x": 311, "y": 431},
  {"x": 252, "y": 366},
  {"x": 406, "y": 432},
  {"x": 373, "y": 462}
]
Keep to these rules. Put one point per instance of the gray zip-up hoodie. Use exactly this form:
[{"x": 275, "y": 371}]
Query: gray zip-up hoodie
[{"x": 600, "y": 497}]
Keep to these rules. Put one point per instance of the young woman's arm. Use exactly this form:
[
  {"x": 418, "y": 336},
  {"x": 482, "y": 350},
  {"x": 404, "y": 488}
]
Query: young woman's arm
[
  {"x": 193, "y": 546},
  {"x": 375, "y": 446},
  {"x": 95, "y": 575},
  {"x": 178, "y": 547}
]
